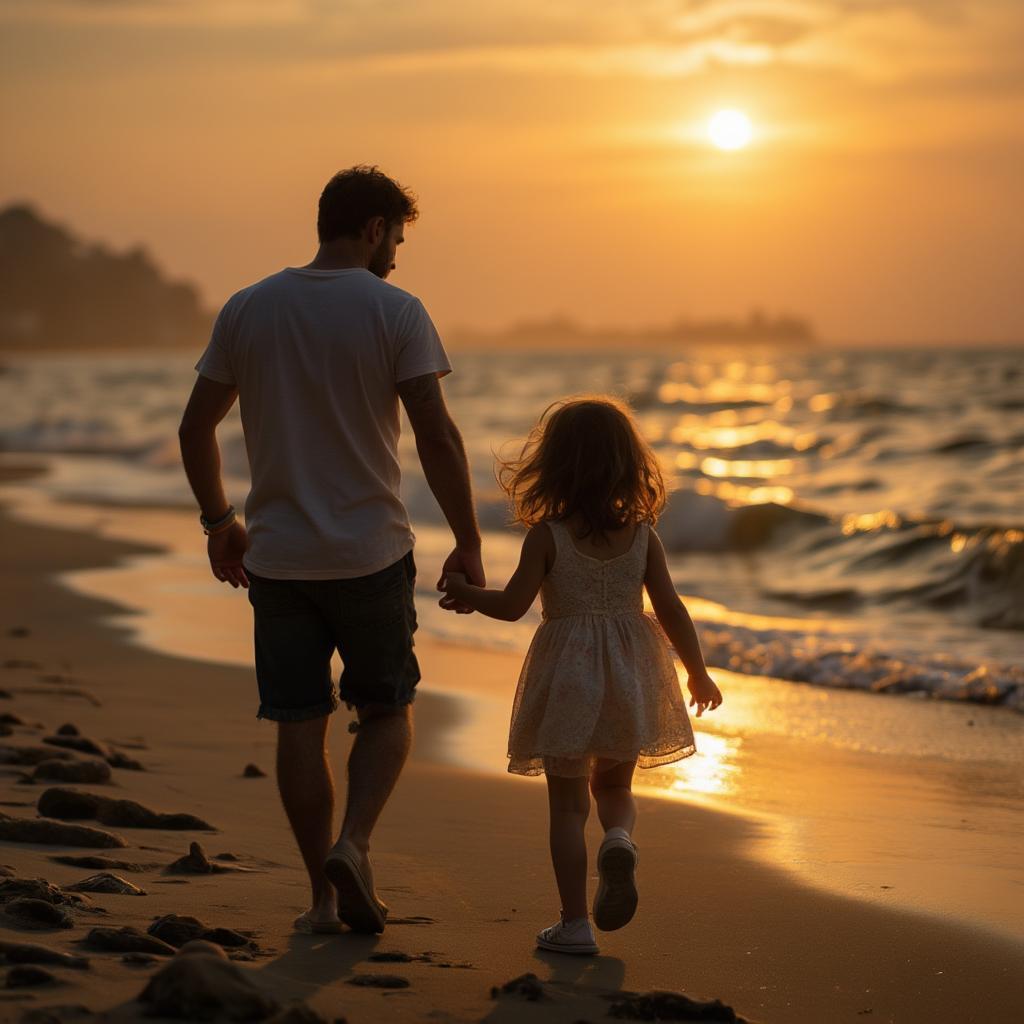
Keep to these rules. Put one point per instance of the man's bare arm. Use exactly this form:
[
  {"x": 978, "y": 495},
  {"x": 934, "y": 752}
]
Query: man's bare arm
[
  {"x": 443, "y": 457},
  {"x": 208, "y": 404}
]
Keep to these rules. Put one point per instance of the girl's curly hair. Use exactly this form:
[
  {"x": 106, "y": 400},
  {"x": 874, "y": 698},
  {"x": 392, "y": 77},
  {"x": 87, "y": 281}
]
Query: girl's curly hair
[{"x": 585, "y": 457}]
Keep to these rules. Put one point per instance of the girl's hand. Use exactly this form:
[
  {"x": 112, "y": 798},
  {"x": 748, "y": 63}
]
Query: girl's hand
[
  {"x": 451, "y": 583},
  {"x": 703, "y": 693}
]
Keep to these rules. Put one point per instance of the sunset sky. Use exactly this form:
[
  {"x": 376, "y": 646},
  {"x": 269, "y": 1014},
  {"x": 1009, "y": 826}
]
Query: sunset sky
[{"x": 558, "y": 148}]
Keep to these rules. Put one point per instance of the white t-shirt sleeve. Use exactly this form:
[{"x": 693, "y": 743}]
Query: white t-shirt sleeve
[
  {"x": 418, "y": 346},
  {"x": 215, "y": 362}
]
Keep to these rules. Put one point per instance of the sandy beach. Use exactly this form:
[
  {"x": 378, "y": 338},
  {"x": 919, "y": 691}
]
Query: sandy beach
[{"x": 460, "y": 853}]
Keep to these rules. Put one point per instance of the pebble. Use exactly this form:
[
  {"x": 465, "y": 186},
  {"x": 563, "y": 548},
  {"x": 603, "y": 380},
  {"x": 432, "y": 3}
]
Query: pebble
[
  {"x": 26, "y": 975},
  {"x": 53, "y": 833},
  {"x": 126, "y": 940},
  {"x": 40, "y": 914},
  {"x": 203, "y": 987},
  {"x": 73, "y": 804},
  {"x": 107, "y": 882},
  {"x": 92, "y": 771},
  {"x": 379, "y": 981}
]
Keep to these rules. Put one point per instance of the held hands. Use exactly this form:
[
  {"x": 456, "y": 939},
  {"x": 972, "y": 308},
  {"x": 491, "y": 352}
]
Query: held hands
[
  {"x": 226, "y": 549},
  {"x": 703, "y": 693},
  {"x": 461, "y": 568}
]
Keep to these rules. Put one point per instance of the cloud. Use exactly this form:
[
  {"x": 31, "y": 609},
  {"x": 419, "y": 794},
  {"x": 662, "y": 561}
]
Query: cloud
[{"x": 890, "y": 40}]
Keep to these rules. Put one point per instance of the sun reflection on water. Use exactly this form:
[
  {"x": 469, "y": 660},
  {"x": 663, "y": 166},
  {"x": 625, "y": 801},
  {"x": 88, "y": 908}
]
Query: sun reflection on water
[{"x": 713, "y": 771}]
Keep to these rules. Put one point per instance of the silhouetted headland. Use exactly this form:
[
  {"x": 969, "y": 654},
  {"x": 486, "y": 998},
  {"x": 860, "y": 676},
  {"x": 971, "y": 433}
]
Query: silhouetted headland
[
  {"x": 560, "y": 332},
  {"x": 59, "y": 291}
]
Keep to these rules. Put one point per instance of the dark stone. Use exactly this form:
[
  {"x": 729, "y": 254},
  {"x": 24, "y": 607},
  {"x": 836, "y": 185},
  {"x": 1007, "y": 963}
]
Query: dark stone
[
  {"x": 201, "y": 987},
  {"x": 19, "y": 631},
  {"x": 176, "y": 930},
  {"x": 72, "y": 804},
  {"x": 139, "y": 959},
  {"x": 26, "y": 975},
  {"x": 10, "y": 718},
  {"x": 82, "y": 744},
  {"x": 391, "y": 958},
  {"x": 99, "y": 863},
  {"x": 526, "y": 986},
  {"x": 253, "y": 771},
  {"x": 660, "y": 1006},
  {"x": 106, "y": 882},
  {"x": 91, "y": 771},
  {"x": 379, "y": 981},
  {"x": 126, "y": 940},
  {"x": 54, "y": 833},
  {"x": 33, "y": 755},
  {"x": 119, "y": 760},
  {"x": 38, "y": 914},
  {"x": 68, "y": 730},
  {"x": 30, "y": 953},
  {"x": 195, "y": 862},
  {"x": 33, "y": 888}
]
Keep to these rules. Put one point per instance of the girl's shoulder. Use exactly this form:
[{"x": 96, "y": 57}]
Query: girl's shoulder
[{"x": 540, "y": 541}]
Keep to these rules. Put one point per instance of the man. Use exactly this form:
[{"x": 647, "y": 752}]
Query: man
[{"x": 318, "y": 357}]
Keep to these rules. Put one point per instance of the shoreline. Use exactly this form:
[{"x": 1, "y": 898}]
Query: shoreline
[
  {"x": 464, "y": 849},
  {"x": 902, "y": 778}
]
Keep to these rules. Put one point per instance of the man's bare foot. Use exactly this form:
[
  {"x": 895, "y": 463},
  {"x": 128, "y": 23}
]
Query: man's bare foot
[{"x": 320, "y": 919}]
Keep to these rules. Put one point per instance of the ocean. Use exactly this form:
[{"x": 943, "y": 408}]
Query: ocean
[{"x": 845, "y": 518}]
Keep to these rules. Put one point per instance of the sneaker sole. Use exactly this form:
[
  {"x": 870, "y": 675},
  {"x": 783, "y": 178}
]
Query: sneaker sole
[
  {"x": 616, "y": 898},
  {"x": 356, "y": 906},
  {"x": 576, "y": 948}
]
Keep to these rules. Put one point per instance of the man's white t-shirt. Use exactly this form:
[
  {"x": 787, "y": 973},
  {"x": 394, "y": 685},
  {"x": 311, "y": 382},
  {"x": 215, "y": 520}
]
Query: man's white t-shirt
[{"x": 316, "y": 356}]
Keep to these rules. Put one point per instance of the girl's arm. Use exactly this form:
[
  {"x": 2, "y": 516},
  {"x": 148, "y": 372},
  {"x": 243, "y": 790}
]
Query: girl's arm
[
  {"x": 514, "y": 601},
  {"x": 678, "y": 626}
]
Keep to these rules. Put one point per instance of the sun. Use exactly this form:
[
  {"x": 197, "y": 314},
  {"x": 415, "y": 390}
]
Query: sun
[{"x": 730, "y": 129}]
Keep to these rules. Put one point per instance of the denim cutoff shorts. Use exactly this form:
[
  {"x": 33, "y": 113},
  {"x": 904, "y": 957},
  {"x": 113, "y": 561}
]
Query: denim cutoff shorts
[{"x": 298, "y": 625}]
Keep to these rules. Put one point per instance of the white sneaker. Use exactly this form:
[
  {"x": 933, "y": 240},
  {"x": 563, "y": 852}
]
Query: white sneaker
[
  {"x": 569, "y": 937},
  {"x": 616, "y": 897}
]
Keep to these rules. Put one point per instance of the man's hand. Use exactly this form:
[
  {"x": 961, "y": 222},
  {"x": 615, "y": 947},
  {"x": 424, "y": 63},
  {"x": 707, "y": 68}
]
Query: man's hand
[
  {"x": 226, "y": 549},
  {"x": 468, "y": 562}
]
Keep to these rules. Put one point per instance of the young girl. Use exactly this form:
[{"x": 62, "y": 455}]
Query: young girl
[{"x": 598, "y": 694}]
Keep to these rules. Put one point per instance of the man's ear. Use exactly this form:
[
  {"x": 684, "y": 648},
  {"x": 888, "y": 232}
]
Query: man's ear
[{"x": 374, "y": 231}]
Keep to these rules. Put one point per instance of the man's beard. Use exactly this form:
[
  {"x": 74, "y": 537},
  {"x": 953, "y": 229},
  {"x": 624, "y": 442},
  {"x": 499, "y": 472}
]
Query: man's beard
[{"x": 380, "y": 261}]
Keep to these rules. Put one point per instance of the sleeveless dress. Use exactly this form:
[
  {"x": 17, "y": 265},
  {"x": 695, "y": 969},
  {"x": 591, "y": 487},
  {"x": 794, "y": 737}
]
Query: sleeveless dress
[{"x": 598, "y": 680}]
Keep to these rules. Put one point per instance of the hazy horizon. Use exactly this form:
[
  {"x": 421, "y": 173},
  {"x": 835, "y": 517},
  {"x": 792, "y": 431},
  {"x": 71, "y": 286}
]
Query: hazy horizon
[{"x": 559, "y": 154}]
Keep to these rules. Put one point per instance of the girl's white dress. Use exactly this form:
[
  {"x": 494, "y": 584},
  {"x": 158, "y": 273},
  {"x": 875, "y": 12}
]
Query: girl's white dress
[{"x": 598, "y": 681}]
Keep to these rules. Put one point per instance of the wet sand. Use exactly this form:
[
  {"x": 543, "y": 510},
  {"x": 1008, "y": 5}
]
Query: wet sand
[{"x": 460, "y": 855}]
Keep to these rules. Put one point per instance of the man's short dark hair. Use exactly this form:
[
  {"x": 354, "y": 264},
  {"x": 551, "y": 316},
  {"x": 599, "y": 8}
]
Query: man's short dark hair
[{"x": 353, "y": 197}]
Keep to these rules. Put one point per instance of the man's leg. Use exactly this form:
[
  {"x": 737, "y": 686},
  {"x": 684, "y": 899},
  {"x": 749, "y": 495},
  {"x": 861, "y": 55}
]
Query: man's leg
[
  {"x": 378, "y": 754},
  {"x": 307, "y": 792}
]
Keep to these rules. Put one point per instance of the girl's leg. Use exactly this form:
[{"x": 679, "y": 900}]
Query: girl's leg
[
  {"x": 569, "y": 804},
  {"x": 612, "y": 785}
]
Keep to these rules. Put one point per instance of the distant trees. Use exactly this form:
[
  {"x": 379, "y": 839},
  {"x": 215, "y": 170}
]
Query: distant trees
[{"x": 57, "y": 291}]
